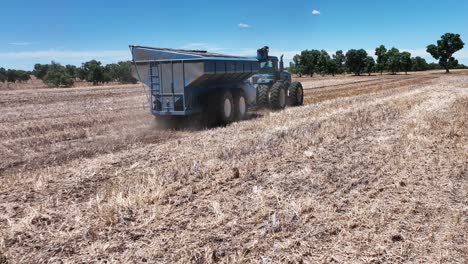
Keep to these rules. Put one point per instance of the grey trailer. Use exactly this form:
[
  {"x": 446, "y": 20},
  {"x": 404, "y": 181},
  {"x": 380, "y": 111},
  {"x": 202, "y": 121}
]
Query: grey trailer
[{"x": 189, "y": 82}]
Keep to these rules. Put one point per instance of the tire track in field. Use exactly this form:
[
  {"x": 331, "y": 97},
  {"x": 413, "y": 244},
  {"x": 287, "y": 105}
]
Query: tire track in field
[
  {"x": 346, "y": 90},
  {"x": 344, "y": 84}
]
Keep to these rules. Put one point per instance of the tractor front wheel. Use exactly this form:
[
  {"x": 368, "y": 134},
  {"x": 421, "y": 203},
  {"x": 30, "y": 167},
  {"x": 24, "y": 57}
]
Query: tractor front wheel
[
  {"x": 278, "y": 96},
  {"x": 262, "y": 95},
  {"x": 296, "y": 94}
]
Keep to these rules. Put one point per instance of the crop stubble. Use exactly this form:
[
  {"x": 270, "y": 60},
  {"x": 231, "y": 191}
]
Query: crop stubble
[{"x": 371, "y": 171}]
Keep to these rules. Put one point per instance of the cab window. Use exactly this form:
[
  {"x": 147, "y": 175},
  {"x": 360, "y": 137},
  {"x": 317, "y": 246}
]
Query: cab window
[{"x": 266, "y": 64}]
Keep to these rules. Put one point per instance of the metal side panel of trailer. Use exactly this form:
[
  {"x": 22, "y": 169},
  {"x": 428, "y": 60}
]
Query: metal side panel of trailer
[{"x": 179, "y": 83}]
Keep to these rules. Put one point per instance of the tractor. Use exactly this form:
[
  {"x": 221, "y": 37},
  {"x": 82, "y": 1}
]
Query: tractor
[
  {"x": 196, "y": 82},
  {"x": 275, "y": 88}
]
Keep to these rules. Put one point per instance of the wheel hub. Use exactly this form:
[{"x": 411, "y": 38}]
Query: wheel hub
[
  {"x": 242, "y": 106},
  {"x": 227, "y": 107}
]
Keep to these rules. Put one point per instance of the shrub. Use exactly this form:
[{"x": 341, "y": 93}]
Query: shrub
[{"x": 58, "y": 76}]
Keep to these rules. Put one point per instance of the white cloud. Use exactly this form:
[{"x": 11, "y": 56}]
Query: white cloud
[
  {"x": 315, "y": 12},
  {"x": 242, "y": 25},
  {"x": 20, "y": 43}
]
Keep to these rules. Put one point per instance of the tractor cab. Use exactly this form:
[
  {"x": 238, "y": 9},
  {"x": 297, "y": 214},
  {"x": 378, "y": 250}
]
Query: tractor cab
[
  {"x": 269, "y": 66},
  {"x": 269, "y": 71}
]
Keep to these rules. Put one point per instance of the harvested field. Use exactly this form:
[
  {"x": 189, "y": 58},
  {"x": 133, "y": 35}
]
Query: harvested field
[
  {"x": 372, "y": 170},
  {"x": 51, "y": 126}
]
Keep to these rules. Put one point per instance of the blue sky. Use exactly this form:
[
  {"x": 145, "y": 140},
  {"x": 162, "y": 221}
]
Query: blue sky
[{"x": 71, "y": 32}]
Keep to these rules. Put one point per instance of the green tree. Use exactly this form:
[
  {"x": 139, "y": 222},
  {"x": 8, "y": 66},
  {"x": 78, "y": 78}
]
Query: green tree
[
  {"x": 309, "y": 61},
  {"x": 356, "y": 61},
  {"x": 406, "y": 62},
  {"x": 81, "y": 73},
  {"x": 393, "y": 60},
  {"x": 296, "y": 66},
  {"x": 434, "y": 66},
  {"x": 370, "y": 65},
  {"x": 92, "y": 71},
  {"x": 448, "y": 45},
  {"x": 12, "y": 75},
  {"x": 113, "y": 71},
  {"x": 58, "y": 76},
  {"x": 22, "y": 76},
  {"x": 72, "y": 70},
  {"x": 106, "y": 78},
  {"x": 419, "y": 64},
  {"x": 40, "y": 70},
  {"x": 125, "y": 72},
  {"x": 332, "y": 67},
  {"x": 453, "y": 63},
  {"x": 3, "y": 75},
  {"x": 323, "y": 63},
  {"x": 340, "y": 60},
  {"x": 121, "y": 72},
  {"x": 381, "y": 53}
]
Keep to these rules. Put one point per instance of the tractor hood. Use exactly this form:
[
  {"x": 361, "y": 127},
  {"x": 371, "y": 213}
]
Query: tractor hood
[{"x": 263, "y": 78}]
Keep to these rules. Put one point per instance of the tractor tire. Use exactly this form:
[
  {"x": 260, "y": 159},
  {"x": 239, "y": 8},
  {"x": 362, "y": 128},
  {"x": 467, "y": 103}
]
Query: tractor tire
[
  {"x": 226, "y": 108},
  {"x": 240, "y": 106},
  {"x": 296, "y": 94},
  {"x": 262, "y": 95},
  {"x": 278, "y": 96}
]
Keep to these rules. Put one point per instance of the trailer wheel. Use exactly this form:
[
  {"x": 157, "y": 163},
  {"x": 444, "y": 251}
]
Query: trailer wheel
[
  {"x": 262, "y": 95},
  {"x": 278, "y": 96},
  {"x": 296, "y": 94},
  {"x": 240, "y": 106},
  {"x": 226, "y": 106}
]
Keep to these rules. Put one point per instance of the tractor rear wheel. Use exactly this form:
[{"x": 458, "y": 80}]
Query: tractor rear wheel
[
  {"x": 296, "y": 94},
  {"x": 240, "y": 106},
  {"x": 262, "y": 95},
  {"x": 226, "y": 107},
  {"x": 278, "y": 96}
]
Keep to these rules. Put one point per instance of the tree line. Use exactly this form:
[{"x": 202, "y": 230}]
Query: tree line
[
  {"x": 358, "y": 61},
  {"x": 309, "y": 62},
  {"x": 14, "y": 75},
  {"x": 58, "y": 75}
]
